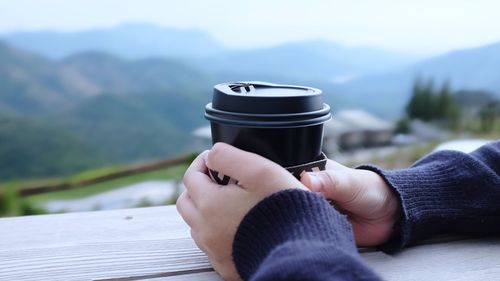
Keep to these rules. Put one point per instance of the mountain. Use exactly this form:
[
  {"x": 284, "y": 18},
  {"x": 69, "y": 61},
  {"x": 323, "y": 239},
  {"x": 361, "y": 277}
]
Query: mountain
[
  {"x": 111, "y": 74},
  {"x": 475, "y": 68},
  {"x": 387, "y": 93},
  {"x": 94, "y": 108},
  {"x": 315, "y": 60},
  {"x": 124, "y": 110},
  {"x": 30, "y": 84},
  {"x": 309, "y": 60},
  {"x": 131, "y": 40}
]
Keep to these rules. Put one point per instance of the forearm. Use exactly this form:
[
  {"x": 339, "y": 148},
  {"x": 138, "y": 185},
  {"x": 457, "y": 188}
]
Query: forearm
[
  {"x": 448, "y": 191},
  {"x": 297, "y": 235}
]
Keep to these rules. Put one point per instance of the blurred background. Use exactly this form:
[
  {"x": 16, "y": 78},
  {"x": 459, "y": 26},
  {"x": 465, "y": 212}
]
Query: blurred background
[{"x": 102, "y": 102}]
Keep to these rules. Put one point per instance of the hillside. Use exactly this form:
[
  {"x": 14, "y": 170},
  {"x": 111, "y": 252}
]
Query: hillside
[
  {"x": 111, "y": 74},
  {"x": 30, "y": 84},
  {"x": 35, "y": 148},
  {"x": 110, "y": 109},
  {"x": 148, "y": 125}
]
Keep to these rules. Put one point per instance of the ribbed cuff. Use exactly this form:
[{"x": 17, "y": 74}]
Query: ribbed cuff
[
  {"x": 435, "y": 195},
  {"x": 289, "y": 215}
]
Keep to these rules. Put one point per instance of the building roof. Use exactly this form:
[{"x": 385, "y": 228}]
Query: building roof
[{"x": 355, "y": 120}]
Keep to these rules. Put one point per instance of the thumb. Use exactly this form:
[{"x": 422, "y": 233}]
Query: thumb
[{"x": 337, "y": 185}]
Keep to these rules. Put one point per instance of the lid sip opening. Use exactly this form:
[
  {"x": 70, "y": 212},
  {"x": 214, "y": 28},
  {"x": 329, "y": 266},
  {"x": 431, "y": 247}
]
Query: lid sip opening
[{"x": 242, "y": 87}]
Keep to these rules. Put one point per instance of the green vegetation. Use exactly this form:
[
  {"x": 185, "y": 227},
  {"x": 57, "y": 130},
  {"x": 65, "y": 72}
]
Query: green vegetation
[
  {"x": 124, "y": 129},
  {"x": 461, "y": 111},
  {"x": 403, "y": 126},
  {"x": 33, "y": 148},
  {"x": 12, "y": 205},
  {"x": 430, "y": 104},
  {"x": 489, "y": 117},
  {"x": 174, "y": 173},
  {"x": 480, "y": 112}
]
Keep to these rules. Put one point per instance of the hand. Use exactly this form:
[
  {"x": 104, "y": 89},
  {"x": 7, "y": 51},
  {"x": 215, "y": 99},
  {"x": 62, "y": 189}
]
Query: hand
[
  {"x": 371, "y": 206},
  {"x": 214, "y": 211}
]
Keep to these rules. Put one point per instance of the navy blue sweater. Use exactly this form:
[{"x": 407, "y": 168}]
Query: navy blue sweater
[{"x": 297, "y": 235}]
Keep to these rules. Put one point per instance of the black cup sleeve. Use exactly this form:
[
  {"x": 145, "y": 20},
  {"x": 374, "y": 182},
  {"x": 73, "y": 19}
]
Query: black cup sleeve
[
  {"x": 220, "y": 178},
  {"x": 318, "y": 164}
]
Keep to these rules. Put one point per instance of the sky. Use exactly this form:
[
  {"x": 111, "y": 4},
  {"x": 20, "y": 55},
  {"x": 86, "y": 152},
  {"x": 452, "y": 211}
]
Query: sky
[{"x": 420, "y": 27}]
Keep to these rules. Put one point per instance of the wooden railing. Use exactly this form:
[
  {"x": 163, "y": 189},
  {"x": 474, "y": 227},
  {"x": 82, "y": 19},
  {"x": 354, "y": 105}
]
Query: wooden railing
[
  {"x": 128, "y": 171},
  {"x": 133, "y": 170}
]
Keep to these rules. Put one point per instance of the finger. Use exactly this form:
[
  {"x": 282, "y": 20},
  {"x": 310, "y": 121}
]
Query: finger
[
  {"x": 187, "y": 209},
  {"x": 333, "y": 165},
  {"x": 198, "y": 164},
  {"x": 197, "y": 182},
  {"x": 243, "y": 166},
  {"x": 339, "y": 186}
]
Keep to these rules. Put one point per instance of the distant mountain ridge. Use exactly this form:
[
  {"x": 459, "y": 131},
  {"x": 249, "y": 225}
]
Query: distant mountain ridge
[
  {"x": 468, "y": 68},
  {"x": 31, "y": 84},
  {"x": 307, "y": 60},
  {"x": 129, "y": 40},
  {"x": 472, "y": 69}
]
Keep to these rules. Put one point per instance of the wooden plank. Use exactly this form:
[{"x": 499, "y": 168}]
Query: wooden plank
[
  {"x": 97, "y": 261},
  {"x": 471, "y": 260},
  {"x": 154, "y": 223},
  {"x": 205, "y": 276},
  {"x": 153, "y": 244},
  {"x": 142, "y": 242}
]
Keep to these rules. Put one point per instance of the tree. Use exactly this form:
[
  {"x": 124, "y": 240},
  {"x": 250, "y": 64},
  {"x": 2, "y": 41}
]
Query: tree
[
  {"x": 489, "y": 115},
  {"x": 421, "y": 104},
  {"x": 429, "y": 104},
  {"x": 444, "y": 102}
]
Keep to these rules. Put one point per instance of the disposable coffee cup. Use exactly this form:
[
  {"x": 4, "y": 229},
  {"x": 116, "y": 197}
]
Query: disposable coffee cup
[{"x": 283, "y": 123}]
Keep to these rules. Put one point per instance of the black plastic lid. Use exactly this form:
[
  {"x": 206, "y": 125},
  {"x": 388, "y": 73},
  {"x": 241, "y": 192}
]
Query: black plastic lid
[{"x": 261, "y": 104}]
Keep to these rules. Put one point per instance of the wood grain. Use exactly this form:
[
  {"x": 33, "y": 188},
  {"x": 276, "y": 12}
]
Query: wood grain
[{"x": 154, "y": 244}]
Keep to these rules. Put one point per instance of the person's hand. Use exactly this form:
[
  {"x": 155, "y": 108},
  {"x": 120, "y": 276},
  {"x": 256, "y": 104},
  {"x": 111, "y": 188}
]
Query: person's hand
[
  {"x": 215, "y": 211},
  {"x": 371, "y": 206}
]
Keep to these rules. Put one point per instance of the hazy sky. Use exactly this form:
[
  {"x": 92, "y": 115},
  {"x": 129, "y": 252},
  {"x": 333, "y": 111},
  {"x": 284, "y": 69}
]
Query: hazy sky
[{"x": 421, "y": 26}]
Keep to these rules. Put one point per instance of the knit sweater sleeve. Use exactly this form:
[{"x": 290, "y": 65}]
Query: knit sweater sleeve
[
  {"x": 297, "y": 235},
  {"x": 447, "y": 192}
]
